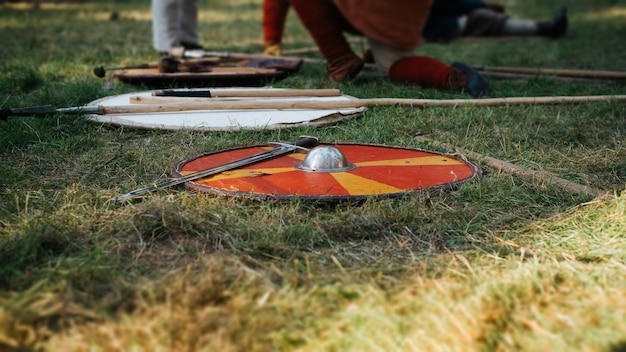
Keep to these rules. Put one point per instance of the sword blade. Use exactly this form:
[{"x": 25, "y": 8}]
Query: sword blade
[{"x": 304, "y": 142}]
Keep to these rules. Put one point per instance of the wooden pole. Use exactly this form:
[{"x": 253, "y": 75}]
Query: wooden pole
[
  {"x": 178, "y": 95},
  {"x": 554, "y": 72},
  {"x": 300, "y": 51},
  {"x": 179, "y": 52},
  {"x": 508, "y": 75},
  {"x": 229, "y": 55},
  {"x": 159, "y": 104},
  {"x": 505, "y": 166}
]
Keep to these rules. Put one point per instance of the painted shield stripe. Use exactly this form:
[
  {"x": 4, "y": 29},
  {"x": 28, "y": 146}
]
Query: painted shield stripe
[
  {"x": 357, "y": 185},
  {"x": 294, "y": 182},
  {"x": 359, "y": 153},
  {"x": 426, "y": 160}
]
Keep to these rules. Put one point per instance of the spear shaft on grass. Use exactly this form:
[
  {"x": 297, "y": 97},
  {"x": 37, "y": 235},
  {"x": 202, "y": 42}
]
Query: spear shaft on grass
[
  {"x": 157, "y": 104},
  {"x": 186, "y": 105},
  {"x": 519, "y": 71},
  {"x": 553, "y": 72},
  {"x": 506, "y": 166}
]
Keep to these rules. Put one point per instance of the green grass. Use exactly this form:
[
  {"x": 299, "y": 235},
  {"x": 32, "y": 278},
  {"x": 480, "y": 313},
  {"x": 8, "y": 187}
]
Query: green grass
[{"x": 503, "y": 263}]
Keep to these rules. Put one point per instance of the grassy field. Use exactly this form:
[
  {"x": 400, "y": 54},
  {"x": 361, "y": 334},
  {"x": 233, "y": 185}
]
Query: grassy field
[{"x": 504, "y": 263}]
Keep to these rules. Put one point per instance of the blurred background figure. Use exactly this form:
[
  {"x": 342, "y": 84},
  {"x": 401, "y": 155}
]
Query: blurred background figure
[
  {"x": 447, "y": 20},
  {"x": 450, "y": 19},
  {"x": 393, "y": 29},
  {"x": 175, "y": 24},
  {"x": 274, "y": 17}
]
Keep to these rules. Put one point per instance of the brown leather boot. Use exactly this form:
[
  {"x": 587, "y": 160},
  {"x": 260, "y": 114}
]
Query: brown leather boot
[
  {"x": 464, "y": 78},
  {"x": 345, "y": 67}
]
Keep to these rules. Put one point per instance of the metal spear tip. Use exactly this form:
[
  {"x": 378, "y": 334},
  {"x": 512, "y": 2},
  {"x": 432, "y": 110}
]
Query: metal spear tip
[
  {"x": 99, "y": 72},
  {"x": 4, "y": 113}
]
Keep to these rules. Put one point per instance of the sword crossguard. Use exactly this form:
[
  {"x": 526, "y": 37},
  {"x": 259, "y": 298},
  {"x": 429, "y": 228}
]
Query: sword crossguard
[
  {"x": 288, "y": 145},
  {"x": 304, "y": 143}
]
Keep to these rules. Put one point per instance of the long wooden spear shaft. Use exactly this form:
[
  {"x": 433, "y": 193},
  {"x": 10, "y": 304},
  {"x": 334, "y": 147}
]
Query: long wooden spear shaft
[
  {"x": 276, "y": 104},
  {"x": 554, "y": 72},
  {"x": 157, "y": 104},
  {"x": 505, "y": 166},
  {"x": 501, "y": 69},
  {"x": 228, "y": 55},
  {"x": 508, "y": 75}
]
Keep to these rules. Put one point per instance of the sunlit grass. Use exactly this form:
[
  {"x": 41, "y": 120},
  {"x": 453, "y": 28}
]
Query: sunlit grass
[
  {"x": 502, "y": 263},
  {"x": 612, "y": 13}
]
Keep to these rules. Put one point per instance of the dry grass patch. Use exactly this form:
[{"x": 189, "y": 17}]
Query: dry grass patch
[
  {"x": 559, "y": 288},
  {"x": 502, "y": 263}
]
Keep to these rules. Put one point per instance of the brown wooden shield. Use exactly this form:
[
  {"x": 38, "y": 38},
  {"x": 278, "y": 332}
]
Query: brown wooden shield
[{"x": 245, "y": 73}]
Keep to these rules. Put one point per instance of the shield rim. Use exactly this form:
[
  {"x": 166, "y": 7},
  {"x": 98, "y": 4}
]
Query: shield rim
[
  {"x": 199, "y": 79},
  {"x": 475, "y": 169},
  {"x": 333, "y": 117}
]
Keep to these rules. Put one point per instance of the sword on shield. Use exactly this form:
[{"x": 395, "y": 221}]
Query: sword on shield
[{"x": 304, "y": 143}]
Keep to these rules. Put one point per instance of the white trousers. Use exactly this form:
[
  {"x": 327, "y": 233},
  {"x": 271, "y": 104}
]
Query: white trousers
[
  {"x": 173, "y": 22},
  {"x": 386, "y": 55}
]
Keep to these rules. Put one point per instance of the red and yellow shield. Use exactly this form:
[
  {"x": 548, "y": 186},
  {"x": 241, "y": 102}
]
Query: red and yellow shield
[{"x": 376, "y": 171}]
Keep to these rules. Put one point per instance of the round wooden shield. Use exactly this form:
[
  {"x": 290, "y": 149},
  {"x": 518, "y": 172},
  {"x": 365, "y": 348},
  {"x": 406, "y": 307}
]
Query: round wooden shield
[
  {"x": 151, "y": 77},
  {"x": 225, "y": 120},
  {"x": 245, "y": 73},
  {"x": 375, "y": 171}
]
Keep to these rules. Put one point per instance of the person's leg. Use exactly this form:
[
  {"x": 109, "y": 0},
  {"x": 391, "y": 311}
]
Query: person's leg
[
  {"x": 516, "y": 27},
  {"x": 188, "y": 24},
  {"x": 274, "y": 17},
  {"x": 486, "y": 22},
  {"x": 404, "y": 66},
  {"x": 384, "y": 56},
  {"x": 326, "y": 25},
  {"x": 164, "y": 24},
  {"x": 482, "y": 22}
]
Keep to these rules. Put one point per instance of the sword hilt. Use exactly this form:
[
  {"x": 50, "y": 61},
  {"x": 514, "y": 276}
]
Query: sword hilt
[
  {"x": 303, "y": 144},
  {"x": 307, "y": 142}
]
